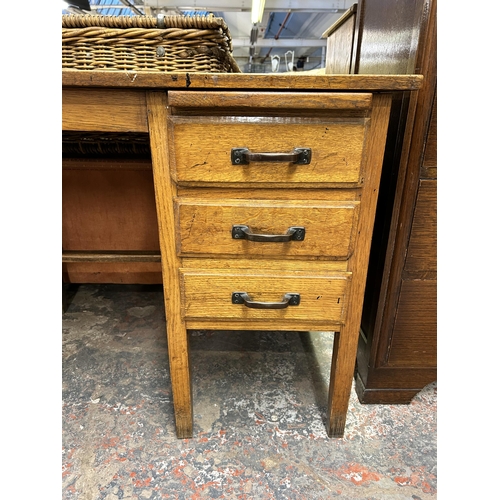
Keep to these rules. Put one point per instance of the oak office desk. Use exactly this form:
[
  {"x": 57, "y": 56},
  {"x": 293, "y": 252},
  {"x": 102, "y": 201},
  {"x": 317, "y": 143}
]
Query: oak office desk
[{"x": 265, "y": 189}]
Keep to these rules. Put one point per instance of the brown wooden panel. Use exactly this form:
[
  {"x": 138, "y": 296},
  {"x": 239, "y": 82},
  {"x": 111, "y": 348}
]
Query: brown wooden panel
[
  {"x": 383, "y": 396},
  {"x": 221, "y": 81},
  {"x": 270, "y": 100},
  {"x": 178, "y": 345},
  {"x": 216, "y": 193},
  {"x": 339, "y": 48},
  {"x": 205, "y": 227},
  {"x": 429, "y": 166},
  {"x": 414, "y": 337},
  {"x": 104, "y": 110},
  {"x": 207, "y": 295},
  {"x": 201, "y": 149},
  {"x": 293, "y": 325},
  {"x": 389, "y": 39},
  {"x": 394, "y": 385},
  {"x": 319, "y": 267},
  {"x": 110, "y": 256},
  {"x": 402, "y": 377},
  {"x": 113, "y": 163},
  {"x": 130, "y": 273},
  {"x": 108, "y": 210},
  {"x": 422, "y": 248},
  {"x": 405, "y": 44}
]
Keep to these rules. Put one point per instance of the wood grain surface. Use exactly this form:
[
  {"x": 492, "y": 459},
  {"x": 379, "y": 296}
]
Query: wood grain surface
[
  {"x": 339, "y": 49},
  {"x": 202, "y": 146},
  {"x": 269, "y": 100},
  {"x": 204, "y": 227},
  {"x": 151, "y": 80},
  {"x": 422, "y": 245},
  {"x": 414, "y": 339},
  {"x": 345, "y": 345},
  {"x": 207, "y": 294},
  {"x": 178, "y": 348},
  {"x": 110, "y": 256},
  {"x": 104, "y": 110}
]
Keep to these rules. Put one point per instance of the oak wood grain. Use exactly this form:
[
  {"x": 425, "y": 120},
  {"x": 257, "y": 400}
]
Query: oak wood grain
[
  {"x": 104, "y": 110},
  {"x": 108, "y": 209},
  {"x": 383, "y": 396},
  {"x": 388, "y": 36},
  {"x": 134, "y": 273},
  {"x": 110, "y": 256},
  {"x": 263, "y": 193},
  {"x": 107, "y": 164},
  {"x": 147, "y": 80},
  {"x": 422, "y": 245},
  {"x": 429, "y": 164},
  {"x": 178, "y": 348},
  {"x": 293, "y": 325},
  {"x": 348, "y": 14},
  {"x": 381, "y": 383},
  {"x": 316, "y": 267},
  {"x": 269, "y": 100},
  {"x": 202, "y": 147},
  {"x": 345, "y": 344},
  {"x": 204, "y": 227},
  {"x": 392, "y": 377},
  {"x": 414, "y": 341},
  {"x": 339, "y": 49},
  {"x": 207, "y": 294},
  {"x": 108, "y": 204},
  {"x": 402, "y": 222}
]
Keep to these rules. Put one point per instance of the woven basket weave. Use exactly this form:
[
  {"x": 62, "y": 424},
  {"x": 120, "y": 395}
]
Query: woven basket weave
[{"x": 147, "y": 43}]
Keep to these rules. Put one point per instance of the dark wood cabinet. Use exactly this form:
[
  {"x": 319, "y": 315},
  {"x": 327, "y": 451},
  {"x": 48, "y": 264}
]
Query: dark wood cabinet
[{"x": 397, "y": 350}]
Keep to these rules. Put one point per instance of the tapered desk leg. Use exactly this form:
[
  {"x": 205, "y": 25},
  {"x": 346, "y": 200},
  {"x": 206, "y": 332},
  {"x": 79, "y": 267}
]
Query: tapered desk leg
[
  {"x": 341, "y": 376},
  {"x": 346, "y": 342},
  {"x": 165, "y": 191}
]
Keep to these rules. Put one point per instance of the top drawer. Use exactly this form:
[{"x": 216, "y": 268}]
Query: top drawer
[{"x": 204, "y": 138}]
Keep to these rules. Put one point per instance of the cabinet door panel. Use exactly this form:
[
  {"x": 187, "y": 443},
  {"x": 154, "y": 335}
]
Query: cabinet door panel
[
  {"x": 414, "y": 341},
  {"x": 422, "y": 248}
]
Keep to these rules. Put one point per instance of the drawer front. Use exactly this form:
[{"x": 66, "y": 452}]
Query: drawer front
[
  {"x": 209, "y": 295},
  {"x": 201, "y": 149},
  {"x": 316, "y": 229}
]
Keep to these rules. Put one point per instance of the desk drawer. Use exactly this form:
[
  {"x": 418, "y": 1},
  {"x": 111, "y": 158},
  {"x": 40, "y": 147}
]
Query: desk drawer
[
  {"x": 209, "y": 295},
  {"x": 266, "y": 228},
  {"x": 201, "y": 150}
]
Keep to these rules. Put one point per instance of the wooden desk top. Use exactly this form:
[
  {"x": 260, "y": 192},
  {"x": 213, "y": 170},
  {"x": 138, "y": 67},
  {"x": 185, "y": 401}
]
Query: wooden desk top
[{"x": 268, "y": 81}]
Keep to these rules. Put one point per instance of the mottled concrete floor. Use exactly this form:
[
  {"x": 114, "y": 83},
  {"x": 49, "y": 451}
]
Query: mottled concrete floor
[{"x": 259, "y": 407}]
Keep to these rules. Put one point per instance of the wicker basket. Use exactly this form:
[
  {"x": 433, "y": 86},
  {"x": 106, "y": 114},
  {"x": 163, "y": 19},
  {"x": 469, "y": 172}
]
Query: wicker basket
[{"x": 147, "y": 43}]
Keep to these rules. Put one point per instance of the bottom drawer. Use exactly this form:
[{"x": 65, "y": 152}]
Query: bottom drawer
[{"x": 210, "y": 295}]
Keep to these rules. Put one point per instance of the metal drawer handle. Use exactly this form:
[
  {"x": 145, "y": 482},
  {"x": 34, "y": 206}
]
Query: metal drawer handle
[
  {"x": 243, "y": 156},
  {"x": 289, "y": 299},
  {"x": 242, "y": 232}
]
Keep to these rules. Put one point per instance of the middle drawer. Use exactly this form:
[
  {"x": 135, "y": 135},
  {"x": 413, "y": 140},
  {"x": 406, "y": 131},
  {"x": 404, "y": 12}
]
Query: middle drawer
[{"x": 319, "y": 229}]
